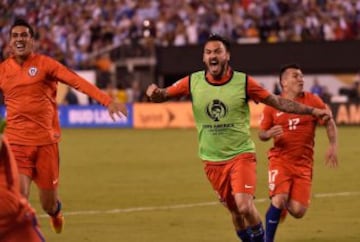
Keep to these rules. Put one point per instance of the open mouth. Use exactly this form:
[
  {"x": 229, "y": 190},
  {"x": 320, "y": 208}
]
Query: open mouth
[
  {"x": 20, "y": 46},
  {"x": 214, "y": 66}
]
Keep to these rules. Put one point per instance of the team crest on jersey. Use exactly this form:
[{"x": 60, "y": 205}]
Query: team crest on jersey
[
  {"x": 216, "y": 110},
  {"x": 32, "y": 71}
]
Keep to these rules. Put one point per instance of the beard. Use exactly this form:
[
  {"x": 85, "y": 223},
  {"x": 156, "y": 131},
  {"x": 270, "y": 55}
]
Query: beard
[{"x": 218, "y": 70}]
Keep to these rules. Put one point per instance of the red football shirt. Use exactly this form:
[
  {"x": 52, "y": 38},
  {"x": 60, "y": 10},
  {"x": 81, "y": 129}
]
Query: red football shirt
[
  {"x": 297, "y": 140},
  {"x": 30, "y": 98},
  {"x": 254, "y": 91}
]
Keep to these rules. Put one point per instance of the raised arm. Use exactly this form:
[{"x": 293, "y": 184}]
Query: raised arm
[
  {"x": 178, "y": 89},
  {"x": 290, "y": 106}
]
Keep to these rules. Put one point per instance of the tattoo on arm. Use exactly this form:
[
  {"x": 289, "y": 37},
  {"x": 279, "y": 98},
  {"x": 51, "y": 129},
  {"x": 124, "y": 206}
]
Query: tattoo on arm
[
  {"x": 287, "y": 105},
  {"x": 160, "y": 96}
]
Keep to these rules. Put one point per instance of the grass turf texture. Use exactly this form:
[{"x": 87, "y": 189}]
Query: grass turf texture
[{"x": 130, "y": 185}]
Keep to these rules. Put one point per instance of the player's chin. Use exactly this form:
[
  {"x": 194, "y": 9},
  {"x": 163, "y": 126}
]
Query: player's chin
[
  {"x": 214, "y": 70},
  {"x": 21, "y": 53}
]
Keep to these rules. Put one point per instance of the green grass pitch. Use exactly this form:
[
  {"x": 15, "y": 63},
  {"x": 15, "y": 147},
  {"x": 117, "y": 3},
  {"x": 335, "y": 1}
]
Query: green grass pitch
[{"x": 149, "y": 186}]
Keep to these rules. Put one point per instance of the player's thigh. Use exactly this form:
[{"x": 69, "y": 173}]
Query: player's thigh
[
  {"x": 301, "y": 188},
  {"x": 24, "y": 156},
  {"x": 243, "y": 174},
  {"x": 279, "y": 178},
  {"x": 235, "y": 176},
  {"x": 47, "y": 167},
  {"x": 218, "y": 176}
]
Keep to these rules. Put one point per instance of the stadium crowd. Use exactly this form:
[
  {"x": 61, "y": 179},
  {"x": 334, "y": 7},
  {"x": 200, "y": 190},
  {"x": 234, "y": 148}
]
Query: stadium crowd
[
  {"x": 81, "y": 33},
  {"x": 72, "y": 30}
]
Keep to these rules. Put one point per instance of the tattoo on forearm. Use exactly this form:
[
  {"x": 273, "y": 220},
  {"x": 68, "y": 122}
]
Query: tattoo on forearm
[
  {"x": 160, "y": 96},
  {"x": 287, "y": 105}
]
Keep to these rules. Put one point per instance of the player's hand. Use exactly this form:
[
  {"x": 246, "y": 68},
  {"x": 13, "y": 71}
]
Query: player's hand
[
  {"x": 324, "y": 114},
  {"x": 152, "y": 88},
  {"x": 118, "y": 109},
  {"x": 274, "y": 131},
  {"x": 331, "y": 159},
  {"x": 155, "y": 93}
]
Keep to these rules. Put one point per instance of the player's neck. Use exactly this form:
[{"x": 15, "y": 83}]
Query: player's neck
[
  {"x": 291, "y": 95},
  {"x": 223, "y": 77},
  {"x": 21, "y": 59}
]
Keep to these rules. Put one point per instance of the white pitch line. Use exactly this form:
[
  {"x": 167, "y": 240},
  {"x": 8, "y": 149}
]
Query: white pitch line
[{"x": 190, "y": 205}]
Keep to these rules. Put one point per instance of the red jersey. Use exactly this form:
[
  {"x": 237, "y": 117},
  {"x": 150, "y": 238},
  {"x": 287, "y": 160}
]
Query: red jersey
[
  {"x": 8, "y": 169},
  {"x": 253, "y": 90},
  {"x": 297, "y": 141},
  {"x": 9, "y": 186},
  {"x": 30, "y": 97},
  {"x": 17, "y": 217}
]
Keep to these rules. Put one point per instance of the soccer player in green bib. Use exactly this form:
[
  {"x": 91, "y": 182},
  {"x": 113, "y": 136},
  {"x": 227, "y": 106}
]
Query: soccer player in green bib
[{"x": 220, "y": 98}]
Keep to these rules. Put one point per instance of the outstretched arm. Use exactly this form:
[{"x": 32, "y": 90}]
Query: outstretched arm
[
  {"x": 117, "y": 108},
  {"x": 331, "y": 153},
  {"x": 290, "y": 106}
]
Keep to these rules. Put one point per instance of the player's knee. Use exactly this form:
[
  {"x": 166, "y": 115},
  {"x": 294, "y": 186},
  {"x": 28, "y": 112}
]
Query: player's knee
[
  {"x": 280, "y": 201},
  {"x": 297, "y": 213},
  {"x": 244, "y": 209}
]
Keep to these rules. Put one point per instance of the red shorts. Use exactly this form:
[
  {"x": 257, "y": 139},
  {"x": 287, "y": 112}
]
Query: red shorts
[
  {"x": 17, "y": 219},
  {"x": 292, "y": 179},
  {"x": 237, "y": 175},
  {"x": 40, "y": 163}
]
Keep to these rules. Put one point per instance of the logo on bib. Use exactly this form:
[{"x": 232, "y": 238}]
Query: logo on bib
[{"x": 216, "y": 110}]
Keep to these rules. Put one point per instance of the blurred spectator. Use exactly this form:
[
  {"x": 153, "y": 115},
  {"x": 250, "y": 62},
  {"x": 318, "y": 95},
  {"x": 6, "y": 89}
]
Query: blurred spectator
[
  {"x": 71, "y": 98},
  {"x": 277, "y": 88},
  {"x": 111, "y": 90},
  {"x": 135, "y": 93},
  {"x": 352, "y": 92},
  {"x": 316, "y": 88},
  {"x": 103, "y": 70},
  {"x": 121, "y": 94},
  {"x": 326, "y": 95}
]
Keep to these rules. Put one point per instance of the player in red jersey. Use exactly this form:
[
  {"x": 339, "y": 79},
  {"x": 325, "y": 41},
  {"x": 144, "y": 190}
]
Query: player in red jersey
[
  {"x": 29, "y": 84},
  {"x": 291, "y": 157},
  {"x": 17, "y": 218},
  {"x": 219, "y": 98}
]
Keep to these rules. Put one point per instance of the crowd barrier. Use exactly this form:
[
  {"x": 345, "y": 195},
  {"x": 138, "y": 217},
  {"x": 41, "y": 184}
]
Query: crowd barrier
[{"x": 169, "y": 115}]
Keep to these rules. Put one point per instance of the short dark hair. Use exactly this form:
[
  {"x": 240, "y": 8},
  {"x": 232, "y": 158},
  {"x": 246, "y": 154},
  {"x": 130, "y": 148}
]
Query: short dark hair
[
  {"x": 22, "y": 22},
  {"x": 288, "y": 66},
  {"x": 283, "y": 68},
  {"x": 216, "y": 37}
]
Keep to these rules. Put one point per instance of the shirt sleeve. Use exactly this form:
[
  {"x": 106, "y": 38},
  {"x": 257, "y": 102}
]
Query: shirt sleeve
[
  {"x": 266, "y": 120},
  {"x": 179, "y": 88},
  {"x": 255, "y": 91},
  {"x": 315, "y": 101},
  {"x": 67, "y": 76}
]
